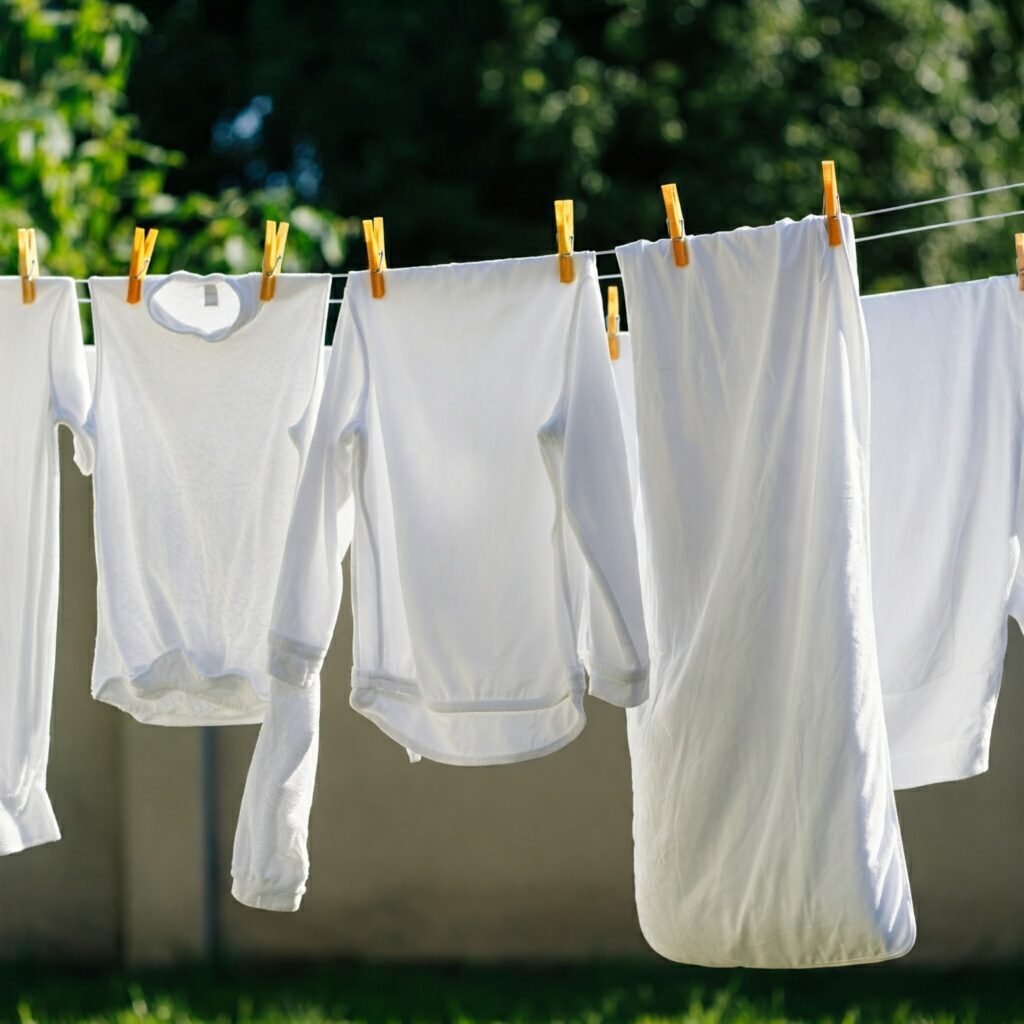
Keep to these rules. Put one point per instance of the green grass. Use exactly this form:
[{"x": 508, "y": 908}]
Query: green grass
[{"x": 593, "y": 994}]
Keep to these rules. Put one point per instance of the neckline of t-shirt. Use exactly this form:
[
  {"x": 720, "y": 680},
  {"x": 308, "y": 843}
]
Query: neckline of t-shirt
[{"x": 243, "y": 287}]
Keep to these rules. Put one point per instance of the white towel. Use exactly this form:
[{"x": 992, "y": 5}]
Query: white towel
[{"x": 765, "y": 825}]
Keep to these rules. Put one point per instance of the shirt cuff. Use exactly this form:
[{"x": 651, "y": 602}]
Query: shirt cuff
[
  {"x": 27, "y": 821},
  {"x": 85, "y": 452},
  {"x": 252, "y": 893},
  {"x": 293, "y": 662},
  {"x": 625, "y": 688}
]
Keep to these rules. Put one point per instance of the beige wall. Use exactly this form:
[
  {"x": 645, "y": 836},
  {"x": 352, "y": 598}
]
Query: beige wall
[{"x": 530, "y": 860}]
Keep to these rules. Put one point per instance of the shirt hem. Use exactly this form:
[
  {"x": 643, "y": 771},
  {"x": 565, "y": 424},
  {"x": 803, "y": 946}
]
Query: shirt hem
[
  {"x": 783, "y": 965},
  {"x": 943, "y": 762},
  {"x": 421, "y": 750},
  {"x": 172, "y": 690},
  {"x": 408, "y": 690},
  {"x": 145, "y": 716}
]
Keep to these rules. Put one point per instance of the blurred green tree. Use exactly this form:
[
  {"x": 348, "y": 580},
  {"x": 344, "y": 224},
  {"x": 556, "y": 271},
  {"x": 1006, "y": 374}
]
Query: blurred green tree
[
  {"x": 739, "y": 100},
  {"x": 460, "y": 122},
  {"x": 72, "y": 163}
]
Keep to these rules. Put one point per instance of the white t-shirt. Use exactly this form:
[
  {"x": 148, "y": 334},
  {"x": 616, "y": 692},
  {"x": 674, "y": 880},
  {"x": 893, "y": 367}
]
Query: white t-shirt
[
  {"x": 764, "y": 821},
  {"x": 947, "y": 443},
  {"x": 469, "y": 435},
  {"x": 205, "y": 400},
  {"x": 44, "y": 383}
]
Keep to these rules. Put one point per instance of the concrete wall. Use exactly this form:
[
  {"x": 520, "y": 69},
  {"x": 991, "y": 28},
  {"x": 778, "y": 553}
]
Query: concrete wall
[{"x": 424, "y": 861}]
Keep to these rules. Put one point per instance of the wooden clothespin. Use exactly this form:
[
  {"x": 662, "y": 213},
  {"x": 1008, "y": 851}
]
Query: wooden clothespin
[
  {"x": 376, "y": 256},
  {"x": 28, "y": 263},
  {"x": 676, "y": 228},
  {"x": 143, "y": 245},
  {"x": 832, "y": 225},
  {"x": 1019, "y": 240},
  {"x": 613, "y": 321},
  {"x": 565, "y": 232},
  {"x": 273, "y": 257}
]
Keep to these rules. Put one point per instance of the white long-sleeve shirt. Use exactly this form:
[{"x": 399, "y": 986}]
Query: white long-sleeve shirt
[
  {"x": 44, "y": 383},
  {"x": 204, "y": 407},
  {"x": 469, "y": 439},
  {"x": 947, "y": 515}
]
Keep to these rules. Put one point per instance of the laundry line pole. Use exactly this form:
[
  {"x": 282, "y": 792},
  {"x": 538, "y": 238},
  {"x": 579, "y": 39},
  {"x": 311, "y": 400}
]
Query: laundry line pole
[{"x": 209, "y": 809}]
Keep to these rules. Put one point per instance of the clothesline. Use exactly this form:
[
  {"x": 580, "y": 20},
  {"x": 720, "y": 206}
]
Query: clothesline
[
  {"x": 945, "y": 224},
  {"x": 853, "y": 216},
  {"x": 941, "y": 199}
]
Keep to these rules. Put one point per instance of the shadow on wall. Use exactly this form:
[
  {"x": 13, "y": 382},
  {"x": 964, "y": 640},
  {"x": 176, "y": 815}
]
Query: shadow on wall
[{"x": 419, "y": 862}]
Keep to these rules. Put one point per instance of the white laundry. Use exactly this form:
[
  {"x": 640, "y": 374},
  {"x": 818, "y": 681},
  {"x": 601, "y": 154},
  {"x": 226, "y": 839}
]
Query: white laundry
[
  {"x": 764, "y": 821},
  {"x": 622, "y": 371},
  {"x": 947, "y": 437},
  {"x": 469, "y": 435},
  {"x": 44, "y": 383},
  {"x": 205, "y": 401}
]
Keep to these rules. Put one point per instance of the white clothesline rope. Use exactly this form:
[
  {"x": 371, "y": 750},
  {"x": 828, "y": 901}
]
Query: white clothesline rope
[
  {"x": 941, "y": 199},
  {"x": 853, "y": 216},
  {"x": 342, "y": 276},
  {"x": 945, "y": 224}
]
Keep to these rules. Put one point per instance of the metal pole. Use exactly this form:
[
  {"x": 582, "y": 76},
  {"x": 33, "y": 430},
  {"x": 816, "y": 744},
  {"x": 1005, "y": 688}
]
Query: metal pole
[{"x": 210, "y": 809}]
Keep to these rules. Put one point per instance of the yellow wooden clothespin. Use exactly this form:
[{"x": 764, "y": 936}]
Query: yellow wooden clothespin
[
  {"x": 376, "y": 256},
  {"x": 676, "y": 228},
  {"x": 143, "y": 245},
  {"x": 28, "y": 263},
  {"x": 1019, "y": 240},
  {"x": 565, "y": 232},
  {"x": 613, "y": 321},
  {"x": 832, "y": 225},
  {"x": 273, "y": 257}
]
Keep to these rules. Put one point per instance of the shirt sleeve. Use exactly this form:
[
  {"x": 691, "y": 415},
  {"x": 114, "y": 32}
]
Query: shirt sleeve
[
  {"x": 592, "y": 475},
  {"x": 270, "y": 863},
  {"x": 310, "y": 580},
  {"x": 70, "y": 391},
  {"x": 26, "y": 814}
]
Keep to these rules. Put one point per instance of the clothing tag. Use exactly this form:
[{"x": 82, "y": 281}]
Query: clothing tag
[{"x": 211, "y": 295}]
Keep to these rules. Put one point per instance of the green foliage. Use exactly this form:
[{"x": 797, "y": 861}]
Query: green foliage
[
  {"x": 460, "y": 122},
  {"x": 739, "y": 100},
  {"x": 72, "y": 163}
]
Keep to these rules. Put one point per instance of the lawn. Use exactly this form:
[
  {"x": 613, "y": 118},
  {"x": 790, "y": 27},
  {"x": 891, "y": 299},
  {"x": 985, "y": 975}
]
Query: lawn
[{"x": 593, "y": 994}]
